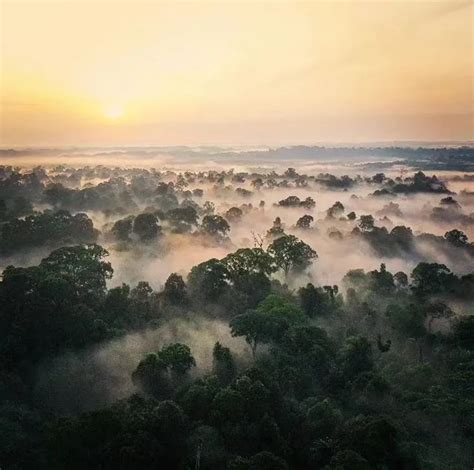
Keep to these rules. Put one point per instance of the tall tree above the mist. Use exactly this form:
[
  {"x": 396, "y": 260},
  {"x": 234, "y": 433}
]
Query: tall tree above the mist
[
  {"x": 175, "y": 290},
  {"x": 122, "y": 228},
  {"x": 209, "y": 279},
  {"x": 83, "y": 265},
  {"x": 182, "y": 219},
  {"x": 305, "y": 222},
  {"x": 215, "y": 225},
  {"x": 146, "y": 226},
  {"x": 291, "y": 254},
  {"x": 431, "y": 278},
  {"x": 245, "y": 261}
]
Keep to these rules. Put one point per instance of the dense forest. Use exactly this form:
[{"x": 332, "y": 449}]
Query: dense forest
[{"x": 237, "y": 319}]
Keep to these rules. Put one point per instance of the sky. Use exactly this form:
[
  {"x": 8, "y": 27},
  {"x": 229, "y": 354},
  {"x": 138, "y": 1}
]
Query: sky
[{"x": 275, "y": 73}]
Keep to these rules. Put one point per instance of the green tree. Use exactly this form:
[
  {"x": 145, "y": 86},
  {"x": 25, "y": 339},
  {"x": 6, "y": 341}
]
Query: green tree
[
  {"x": 122, "y": 229},
  {"x": 178, "y": 358},
  {"x": 291, "y": 254},
  {"x": 457, "y": 238},
  {"x": 223, "y": 364},
  {"x": 268, "y": 322},
  {"x": 151, "y": 375},
  {"x": 146, "y": 227},
  {"x": 305, "y": 222},
  {"x": 249, "y": 260},
  {"x": 175, "y": 290},
  {"x": 431, "y": 278},
  {"x": 215, "y": 225},
  {"x": 409, "y": 322},
  {"x": 209, "y": 279},
  {"x": 83, "y": 266},
  {"x": 356, "y": 356},
  {"x": 182, "y": 219},
  {"x": 366, "y": 223}
]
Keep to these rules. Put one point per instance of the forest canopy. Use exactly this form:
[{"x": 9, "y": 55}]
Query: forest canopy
[{"x": 238, "y": 318}]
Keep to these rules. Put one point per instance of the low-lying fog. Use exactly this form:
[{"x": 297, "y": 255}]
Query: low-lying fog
[{"x": 106, "y": 369}]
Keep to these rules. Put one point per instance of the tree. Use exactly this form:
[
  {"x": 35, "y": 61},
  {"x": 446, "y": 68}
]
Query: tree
[
  {"x": 208, "y": 208},
  {"x": 252, "y": 326},
  {"x": 122, "y": 228},
  {"x": 308, "y": 203},
  {"x": 175, "y": 290},
  {"x": 290, "y": 201},
  {"x": 400, "y": 279},
  {"x": 356, "y": 356},
  {"x": 457, "y": 238},
  {"x": 276, "y": 230},
  {"x": 83, "y": 266},
  {"x": 402, "y": 237},
  {"x": 223, "y": 364},
  {"x": 177, "y": 358},
  {"x": 234, "y": 214},
  {"x": 249, "y": 260},
  {"x": 146, "y": 226},
  {"x": 159, "y": 373},
  {"x": 374, "y": 438},
  {"x": 309, "y": 345},
  {"x": 305, "y": 222},
  {"x": 409, "y": 322},
  {"x": 335, "y": 210},
  {"x": 381, "y": 281},
  {"x": 450, "y": 201},
  {"x": 463, "y": 332},
  {"x": 182, "y": 219},
  {"x": 209, "y": 279},
  {"x": 215, "y": 225},
  {"x": 273, "y": 316},
  {"x": 316, "y": 301},
  {"x": 349, "y": 460},
  {"x": 151, "y": 376},
  {"x": 47, "y": 228},
  {"x": 366, "y": 223},
  {"x": 291, "y": 254},
  {"x": 437, "y": 311},
  {"x": 431, "y": 278}
]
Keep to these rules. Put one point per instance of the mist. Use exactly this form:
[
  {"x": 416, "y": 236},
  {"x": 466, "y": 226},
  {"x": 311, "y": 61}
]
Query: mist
[{"x": 182, "y": 275}]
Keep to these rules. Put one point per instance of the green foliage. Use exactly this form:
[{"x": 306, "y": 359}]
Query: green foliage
[
  {"x": 50, "y": 229},
  {"x": 319, "y": 301},
  {"x": 146, "y": 227},
  {"x": 122, "y": 229},
  {"x": 159, "y": 373},
  {"x": 223, "y": 365},
  {"x": 215, "y": 225},
  {"x": 175, "y": 290},
  {"x": 182, "y": 219},
  {"x": 431, "y": 278},
  {"x": 291, "y": 254},
  {"x": 209, "y": 279},
  {"x": 268, "y": 322},
  {"x": 82, "y": 266},
  {"x": 356, "y": 356},
  {"x": 249, "y": 260},
  {"x": 335, "y": 387},
  {"x": 177, "y": 357}
]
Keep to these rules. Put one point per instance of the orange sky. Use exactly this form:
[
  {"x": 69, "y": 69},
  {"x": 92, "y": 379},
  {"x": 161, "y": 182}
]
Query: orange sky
[{"x": 108, "y": 73}]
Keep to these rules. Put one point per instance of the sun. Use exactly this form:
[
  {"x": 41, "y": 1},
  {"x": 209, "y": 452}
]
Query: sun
[{"x": 114, "y": 112}]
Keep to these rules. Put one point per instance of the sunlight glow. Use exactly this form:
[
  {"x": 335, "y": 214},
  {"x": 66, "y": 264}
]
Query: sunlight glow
[{"x": 114, "y": 112}]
